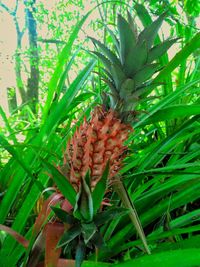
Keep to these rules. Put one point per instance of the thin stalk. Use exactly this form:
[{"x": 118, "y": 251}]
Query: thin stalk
[{"x": 123, "y": 194}]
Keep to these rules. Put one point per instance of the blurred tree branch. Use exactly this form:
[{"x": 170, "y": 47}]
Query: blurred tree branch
[
  {"x": 20, "y": 33},
  {"x": 31, "y": 94},
  {"x": 33, "y": 79}
]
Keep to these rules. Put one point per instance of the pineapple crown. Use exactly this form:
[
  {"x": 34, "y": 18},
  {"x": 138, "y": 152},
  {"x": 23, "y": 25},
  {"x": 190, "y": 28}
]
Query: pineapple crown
[{"x": 128, "y": 70}]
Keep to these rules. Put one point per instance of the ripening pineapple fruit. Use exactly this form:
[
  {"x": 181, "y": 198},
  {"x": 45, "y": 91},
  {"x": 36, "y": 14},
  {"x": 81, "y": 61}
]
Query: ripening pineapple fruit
[
  {"x": 94, "y": 143},
  {"x": 127, "y": 71}
]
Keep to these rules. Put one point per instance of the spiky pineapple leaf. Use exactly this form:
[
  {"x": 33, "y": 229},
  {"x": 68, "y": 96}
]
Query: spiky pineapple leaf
[
  {"x": 63, "y": 215},
  {"x": 62, "y": 183},
  {"x": 135, "y": 59},
  {"x": 158, "y": 50},
  {"x": 97, "y": 240},
  {"x": 110, "y": 214},
  {"x": 84, "y": 204},
  {"x": 88, "y": 231},
  {"x": 107, "y": 52},
  {"x": 145, "y": 89},
  {"x": 87, "y": 181},
  {"x": 132, "y": 24},
  {"x": 145, "y": 73},
  {"x": 69, "y": 235},
  {"x": 118, "y": 76},
  {"x": 143, "y": 14},
  {"x": 99, "y": 190},
  {"x": 110, "y": 99},
  {"x": 127, "y": 88},
  {"x": 114, "y": 93},
  {"x": 86, "y": 207},
  {"x": 104, "y": 73},
  {"x": 127, "y": 37},
  {"x": 105, "y": 61},
  {"x": 115, "y": 40},
  {"x": 80, "y": 253},
  {"x": 150, "y": 32}
]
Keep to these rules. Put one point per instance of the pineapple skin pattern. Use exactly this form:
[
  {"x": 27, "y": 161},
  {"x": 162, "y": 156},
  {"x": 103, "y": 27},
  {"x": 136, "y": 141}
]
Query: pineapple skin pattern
[{"x": 96, "y": 142}]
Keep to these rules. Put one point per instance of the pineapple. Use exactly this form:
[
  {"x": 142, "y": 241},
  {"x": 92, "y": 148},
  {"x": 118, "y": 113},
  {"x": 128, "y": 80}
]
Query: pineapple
[
  {"x": 128, "y": 71},
  {"x": 94, "y": 143}
]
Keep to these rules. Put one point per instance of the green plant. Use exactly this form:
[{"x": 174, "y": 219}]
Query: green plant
[{"x": 160, "y": 172}]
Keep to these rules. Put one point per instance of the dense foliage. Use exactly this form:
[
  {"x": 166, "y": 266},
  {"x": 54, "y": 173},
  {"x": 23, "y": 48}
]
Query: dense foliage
[{"x": 160, "y": 172}]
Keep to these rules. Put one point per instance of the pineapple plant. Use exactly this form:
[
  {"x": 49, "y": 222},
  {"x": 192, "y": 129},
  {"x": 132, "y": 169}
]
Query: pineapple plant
[
  {"x": 127, "y": 71},
  {"x": 98, "y": 145},
  {"x": 95, "y": 153}
]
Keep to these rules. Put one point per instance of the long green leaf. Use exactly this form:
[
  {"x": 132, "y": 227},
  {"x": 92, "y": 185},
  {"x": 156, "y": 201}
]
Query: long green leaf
[
  {"x": 149, "y": 33},
  {"x": 62, "y": 183},
  {"x": 182, "y": 55},
  {"x": 107, "y": 52},
  {"x": 173, "y": 112},
  {"x": 127, "y": 37},
  {"x": 7, "y": 124},
  {"x": 59, "y": 111},
  {"x": 69, "y": 235},
  {"x": 4, "y": 143},
  {"x": 63, "y": 215},
  {"x": 63, "y": 58},
  {"x": 167, "y": 100},
  {"x": 191, "y": 258},
  {"x": 123, "y": 195},
  {"x": 158, "y": 50},
  {"x": 99, "y": 190}
]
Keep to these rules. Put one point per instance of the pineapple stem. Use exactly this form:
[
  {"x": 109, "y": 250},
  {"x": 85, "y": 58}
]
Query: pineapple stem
[{"x": 123, "y": 194}]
